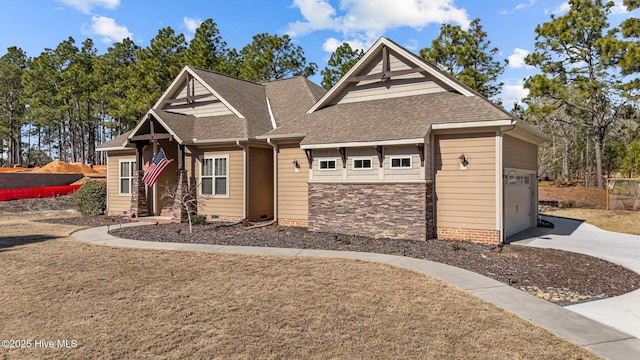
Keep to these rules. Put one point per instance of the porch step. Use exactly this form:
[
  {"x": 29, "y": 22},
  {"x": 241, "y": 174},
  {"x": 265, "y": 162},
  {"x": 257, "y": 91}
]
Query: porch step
[
  {"x": 156, "y": 219},
  {"x": 166, "y": 212}
]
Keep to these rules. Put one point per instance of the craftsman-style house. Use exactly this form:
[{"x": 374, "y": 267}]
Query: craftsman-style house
[{"x": 395, "y": 149}]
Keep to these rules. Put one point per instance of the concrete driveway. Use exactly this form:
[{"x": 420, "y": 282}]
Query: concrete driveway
[{"x": 620, "y": 312}]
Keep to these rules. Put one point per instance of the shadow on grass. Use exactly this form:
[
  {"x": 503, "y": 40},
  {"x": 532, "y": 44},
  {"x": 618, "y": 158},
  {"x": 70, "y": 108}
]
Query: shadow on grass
[{"x": 7, "y": 242}]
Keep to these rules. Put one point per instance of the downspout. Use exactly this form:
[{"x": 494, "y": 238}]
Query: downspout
[
  {"x": 244, "y": 178},
  {"x": 500, "y": 181},
  {"x": 275, "y": 179}
]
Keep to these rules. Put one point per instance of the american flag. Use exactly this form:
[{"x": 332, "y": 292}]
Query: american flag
[{"x": 155, "y": 168}]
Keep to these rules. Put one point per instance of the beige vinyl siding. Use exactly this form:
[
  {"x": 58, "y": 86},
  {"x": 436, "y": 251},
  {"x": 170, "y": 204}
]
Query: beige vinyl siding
[
  {"x": 416, "y": 172},
  {"x": 375, "y": 174},
  {"x": 117, "y": 203},
  {"x": 233, "y": 205},
  {"x": 465, "y": 198},
  {"x": 398, "y": 86},
  {"x": 209, "y": 106},
  {"x": 389, "y": 89},
  {"x": 260, "y": 182},
  {"x": 293, "y": 187},
  {"x": 336, "y": 174},
  {"x": 201, "y": 108},
  {"x": 519, "y": 154},
  {"x": 364, "y": 175}
]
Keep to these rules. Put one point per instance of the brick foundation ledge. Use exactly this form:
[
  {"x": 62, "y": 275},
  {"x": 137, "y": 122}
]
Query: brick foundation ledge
[
  {"x": 293, "y": 222},
  {"x": 475, "y": 235}
]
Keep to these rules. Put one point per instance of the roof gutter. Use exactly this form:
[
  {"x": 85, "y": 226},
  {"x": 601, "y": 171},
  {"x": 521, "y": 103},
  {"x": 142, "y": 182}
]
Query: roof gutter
[
  {"x": 216, "y": 141},
  {"x": 113, "y": 148},
  {"x": 281, "y": 136},
  {"x": 365, "y": 143},
  {"x": 472, "y": 124}
]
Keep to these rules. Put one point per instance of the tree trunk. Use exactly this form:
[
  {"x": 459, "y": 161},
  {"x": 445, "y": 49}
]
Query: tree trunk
[
  {"x": 597, "y": 148},
  {"x": 565, "y": 160}
]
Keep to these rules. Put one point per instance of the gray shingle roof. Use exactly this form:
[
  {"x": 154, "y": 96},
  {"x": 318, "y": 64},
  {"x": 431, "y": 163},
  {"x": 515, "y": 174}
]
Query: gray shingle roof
[
  {"x": 389, "y": 119},
  {"x": 247, "y": 97},
  {"x": 292, "y": 97},
  {"x": 118, "y": 141},
  {"x": 188, "y": 127}
]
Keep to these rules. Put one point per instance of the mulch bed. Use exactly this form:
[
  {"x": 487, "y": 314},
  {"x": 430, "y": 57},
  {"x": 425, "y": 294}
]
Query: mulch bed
[{"x": 558, "y": 276}]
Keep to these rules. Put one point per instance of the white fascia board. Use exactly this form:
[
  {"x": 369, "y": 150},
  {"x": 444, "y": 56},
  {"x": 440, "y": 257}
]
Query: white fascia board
[
  {"x": 215, "y": 93},
  {"x": 404, "y": 53},
  {"x": 281, "y": 136},
  {"x": 146, "y": 116},
  {"x": 179, "y": 78},
  {"x": 472, "y": 124},
  {"x": 338, "y": 86},
  {"x": 114, "y": 148},
  {"x": 165, "y": 95},
  {"x": 273, "y": 118},
  {"x": 164, "y": 125},
  {"x": 135, "y": 129},
  {"x": 215, "y": 141},
  {"x": 366, "y": 143},
  {"x": 428, "y": 68}
]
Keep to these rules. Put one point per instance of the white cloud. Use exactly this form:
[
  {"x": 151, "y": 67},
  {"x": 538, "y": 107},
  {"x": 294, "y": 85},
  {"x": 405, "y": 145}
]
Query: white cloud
[
  {"x": 191, "y": 24},
  {"x": 519, "y": 7},
  {"x": 524, "y": 5},
  {"x": 331, "y": 44},
  {"x": 513, "y": 93},
  {"x": 562, "y": 9},
  {"x": 86, "y": 6},
  {"x": 619, "y": 8},
  {"x": 108, "y": 29},
  {"x": 365, "y": 21},
  {"x": 516, "y": 60}
]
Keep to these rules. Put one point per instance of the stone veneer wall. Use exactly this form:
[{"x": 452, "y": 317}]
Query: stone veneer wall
[
  {"x": 182, "y": 194},
  {"x": 138, "y": 196},
  {"x": 381, "y": 210}
]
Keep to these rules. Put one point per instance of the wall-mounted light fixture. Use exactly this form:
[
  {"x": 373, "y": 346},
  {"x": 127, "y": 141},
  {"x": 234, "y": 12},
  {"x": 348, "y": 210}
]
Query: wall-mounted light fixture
[
  {"x": 296, "y": 166},
  {"x": 463, "y": 161}
]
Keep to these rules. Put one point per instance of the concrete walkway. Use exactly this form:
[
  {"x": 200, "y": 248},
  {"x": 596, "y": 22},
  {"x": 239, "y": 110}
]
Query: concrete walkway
[
  {"x": 596, "y": 336},
  {"x": 620, "y": 312}
]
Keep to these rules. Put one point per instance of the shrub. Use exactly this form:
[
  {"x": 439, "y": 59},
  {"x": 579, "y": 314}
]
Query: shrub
[
  {"x": 456, "y": 246},
  {"x": 197, "y": 219},
  {"x": 91, "y": 198}
]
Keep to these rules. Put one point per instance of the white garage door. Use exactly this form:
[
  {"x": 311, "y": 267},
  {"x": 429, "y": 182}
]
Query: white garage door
[{"x": 517, "y": 204}]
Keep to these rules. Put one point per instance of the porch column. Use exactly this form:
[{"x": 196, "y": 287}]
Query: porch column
[
  {"x": 184, "y": 193},
  {"x": 182, "y": 197},
  {"x": 138, "y": 191}
]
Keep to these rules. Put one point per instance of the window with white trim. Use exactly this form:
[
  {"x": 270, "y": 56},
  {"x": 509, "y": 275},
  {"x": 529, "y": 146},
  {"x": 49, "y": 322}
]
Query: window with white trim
[
  {"x": 362, "y": 163},
  {"x": 214, "y": 176},
  {"x": 327, "y": 164},
  {"x": 404, "y": 162},
  {"x": 125, "y": 176}
]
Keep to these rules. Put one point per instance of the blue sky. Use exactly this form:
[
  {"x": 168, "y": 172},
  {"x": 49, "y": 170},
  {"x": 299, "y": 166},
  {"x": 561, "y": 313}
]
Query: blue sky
[{"x": 319, "y": 26}]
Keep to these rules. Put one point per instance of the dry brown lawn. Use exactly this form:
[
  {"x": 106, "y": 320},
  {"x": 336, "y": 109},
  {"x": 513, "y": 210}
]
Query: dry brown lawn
[
  {"x": 144, "y": 304},
  {"x": 611, "y": 220}
]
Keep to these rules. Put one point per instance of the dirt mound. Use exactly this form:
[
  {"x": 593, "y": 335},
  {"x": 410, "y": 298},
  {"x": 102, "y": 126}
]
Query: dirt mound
[
  {"x": 578, "y": 196},
  {"x": 60, "y": 167}
]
